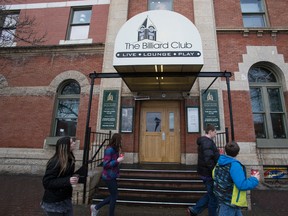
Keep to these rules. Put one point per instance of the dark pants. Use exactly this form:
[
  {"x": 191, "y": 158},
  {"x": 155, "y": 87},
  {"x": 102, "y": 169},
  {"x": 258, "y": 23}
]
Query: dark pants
[
  {"x": 111, "y": 200},
  {"x": 208, "y": 200},
  {"x": 70, "y": 213},
  {"x": 50, "y": 209}
]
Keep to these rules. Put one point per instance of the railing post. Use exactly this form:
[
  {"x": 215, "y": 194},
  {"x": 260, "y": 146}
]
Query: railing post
[
  {"x": 227, "y": 134},
  {"x": 230, "y": 108},
  {"x": 87, "y": 135},
  {"x": 85, "y": 161}
]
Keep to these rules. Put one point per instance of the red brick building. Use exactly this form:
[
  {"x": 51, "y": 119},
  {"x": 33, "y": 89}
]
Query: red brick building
[{"x": 44, "y": 88}]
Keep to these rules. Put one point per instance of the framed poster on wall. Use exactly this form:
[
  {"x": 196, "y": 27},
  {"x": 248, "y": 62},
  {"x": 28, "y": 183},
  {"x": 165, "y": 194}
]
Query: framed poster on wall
[
  {"x": 193, "y": 120},
  {"x": 126, "y": 120}
]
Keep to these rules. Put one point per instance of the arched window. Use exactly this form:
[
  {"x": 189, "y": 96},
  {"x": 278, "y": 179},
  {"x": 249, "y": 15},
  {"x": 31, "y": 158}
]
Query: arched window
[
  {"x": 67, "y": 107},
  {"x": 267, "y": 104}
]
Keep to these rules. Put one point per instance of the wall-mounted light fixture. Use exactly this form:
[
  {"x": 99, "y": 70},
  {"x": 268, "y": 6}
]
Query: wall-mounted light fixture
[
  {"x": 161, "y": 67},
  {"x": 141, "y": 97}
]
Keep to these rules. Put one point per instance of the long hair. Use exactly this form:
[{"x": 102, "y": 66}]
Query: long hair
[
  {"x": 116, "y": 141},
  {"x": 63, "y": 154}
]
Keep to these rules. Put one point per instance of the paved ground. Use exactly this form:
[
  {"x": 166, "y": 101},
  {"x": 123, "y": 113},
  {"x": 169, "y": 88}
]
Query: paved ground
[{"x": 20, "y": 195}]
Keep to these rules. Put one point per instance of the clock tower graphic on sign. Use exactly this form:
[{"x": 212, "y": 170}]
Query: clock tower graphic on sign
[{"x": 147, "y": 30}]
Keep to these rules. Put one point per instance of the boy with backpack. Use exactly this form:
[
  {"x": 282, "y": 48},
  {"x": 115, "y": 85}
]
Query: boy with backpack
[{"x": 231, "y": 183}]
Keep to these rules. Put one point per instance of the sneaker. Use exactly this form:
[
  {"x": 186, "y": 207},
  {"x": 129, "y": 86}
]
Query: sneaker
[
  {"x": 190, "y": 212},
  {"x": 93, "y": 210}
]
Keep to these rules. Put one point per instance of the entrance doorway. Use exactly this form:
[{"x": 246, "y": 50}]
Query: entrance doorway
[{"x": 160, "y": 132}]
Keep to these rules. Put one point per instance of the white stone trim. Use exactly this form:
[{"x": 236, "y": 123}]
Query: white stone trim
[
  {"x": 131, "y": 158},
  {"x": 48, "y": 90},
  {"x": 258, "y": 54},
  {"x": 55, "y": 4},
  {"x": 72, "y": 74},
  {"x": 189, "y": 158},
  {"x": 80, "y": 41}
]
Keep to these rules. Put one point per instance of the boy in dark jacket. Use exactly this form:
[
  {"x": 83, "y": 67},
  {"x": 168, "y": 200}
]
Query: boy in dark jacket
[{"x": 208, "y": 155}]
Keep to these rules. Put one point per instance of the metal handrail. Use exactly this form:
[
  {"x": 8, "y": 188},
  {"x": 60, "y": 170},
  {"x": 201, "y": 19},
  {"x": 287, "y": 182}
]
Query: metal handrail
[
  {"x": 221, "y": 139},
  {"x": 97, "y": 153},
  {"x": 98, "y": 143}
]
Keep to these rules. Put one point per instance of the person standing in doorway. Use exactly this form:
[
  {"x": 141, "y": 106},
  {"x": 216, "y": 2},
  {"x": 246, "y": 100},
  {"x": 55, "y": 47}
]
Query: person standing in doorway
[
  {"x": 208, "y": 155},
  {"x": 112, "y": 160},
  {"x": 58, "y": 180},
  {"x": 231, "y": 183}
]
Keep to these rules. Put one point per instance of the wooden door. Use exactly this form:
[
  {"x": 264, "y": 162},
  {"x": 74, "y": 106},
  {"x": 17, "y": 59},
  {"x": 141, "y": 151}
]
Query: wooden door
[{"x": 159, "y": 138}]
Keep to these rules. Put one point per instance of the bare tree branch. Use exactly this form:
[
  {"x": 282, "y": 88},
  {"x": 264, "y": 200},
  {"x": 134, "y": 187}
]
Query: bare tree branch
[{"x": 14, "y": 29}]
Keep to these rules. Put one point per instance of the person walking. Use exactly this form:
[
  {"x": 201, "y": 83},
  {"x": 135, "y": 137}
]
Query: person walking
[
  {"x": 208, "y": 155},
  {"x": 58, "y": 180},
  {"x": 231, "y": 183},
  {"x": 110, "y": 173}
]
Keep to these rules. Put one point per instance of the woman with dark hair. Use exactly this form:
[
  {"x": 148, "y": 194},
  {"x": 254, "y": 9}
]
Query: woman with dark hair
[
  {"x": 58, "y": 179},
  {"x": 110, "y": 173}
]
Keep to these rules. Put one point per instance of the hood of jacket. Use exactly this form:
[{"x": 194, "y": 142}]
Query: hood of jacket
[
  {"x": 203, "y": 139},
  {"x": 225, "y": 159}
]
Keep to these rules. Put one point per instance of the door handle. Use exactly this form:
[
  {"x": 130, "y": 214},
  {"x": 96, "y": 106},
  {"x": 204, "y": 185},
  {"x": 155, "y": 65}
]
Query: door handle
[{"x": 163, "y": 136}]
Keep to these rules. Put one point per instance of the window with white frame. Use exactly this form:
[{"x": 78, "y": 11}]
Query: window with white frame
[
  {"x": 267, "y": 104},
  {"x": 160, "y": 5},
  {"x": 8, "y": 23},
  {"x": 253, "y": 13},
  {"x": 67, "y": 107},
  {"x": 79, "y": 24}
]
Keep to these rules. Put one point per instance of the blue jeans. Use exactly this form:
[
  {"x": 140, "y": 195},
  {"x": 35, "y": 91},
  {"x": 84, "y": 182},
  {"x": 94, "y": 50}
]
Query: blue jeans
[
  {"x": 58, "y": 214},
  {"x": 225, "y": 210},
  {"x": 111, "y": 200},
  {"x": 208, "y": 200},
  {"x": 62, "y": 208}
]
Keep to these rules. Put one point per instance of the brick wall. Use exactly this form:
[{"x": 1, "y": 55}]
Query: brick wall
[
  {"x": 242, "y": 116},
  {"x": 184, "y": 7},
  {"x": 128, "y": 141},
  {"x": 27, "y": 103},
  {"x": 189, "y": 139},
  {"x": 228, "y": 13},
  {"x": 55, "y": 22},
  {"x": 277, "y": 12}
]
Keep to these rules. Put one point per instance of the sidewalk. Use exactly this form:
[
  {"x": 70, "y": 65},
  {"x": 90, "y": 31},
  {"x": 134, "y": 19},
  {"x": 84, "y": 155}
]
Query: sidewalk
[{"x": 20, "y": 195}]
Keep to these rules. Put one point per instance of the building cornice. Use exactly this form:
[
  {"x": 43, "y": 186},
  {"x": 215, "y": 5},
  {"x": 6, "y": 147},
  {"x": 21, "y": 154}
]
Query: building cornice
[
  {"x": 258, "y": 31},
  {"x": 55, "y": 49}
]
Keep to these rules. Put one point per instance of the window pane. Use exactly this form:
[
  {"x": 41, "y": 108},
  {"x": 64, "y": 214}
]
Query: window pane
[
  {"x": 9, "y": 22},
  {"x": 278, "y": 125},
  {"x": 255, "y": 20},
  {"x": 256, "y": 100},
  {"x": 257, "y": 74},
  {"x": 71, "y": 88},
  {"x": 171, "y": 122},
  {"x": 81, "y": 17},
  {"x": 153, "y": 122},
  {"x": 274, "y": 100},
  {"x": 66, "y": 127},
  {"x": 79, "y": 32},
  {"x": 259, "y": 125},
  {"x": 7, "y": 38},
  {"x": 68, "y": 108},
  {"x": 251, "y": 6},
  {"x": 160, "y": 5},
  {"x": 127, "y": 120}
]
